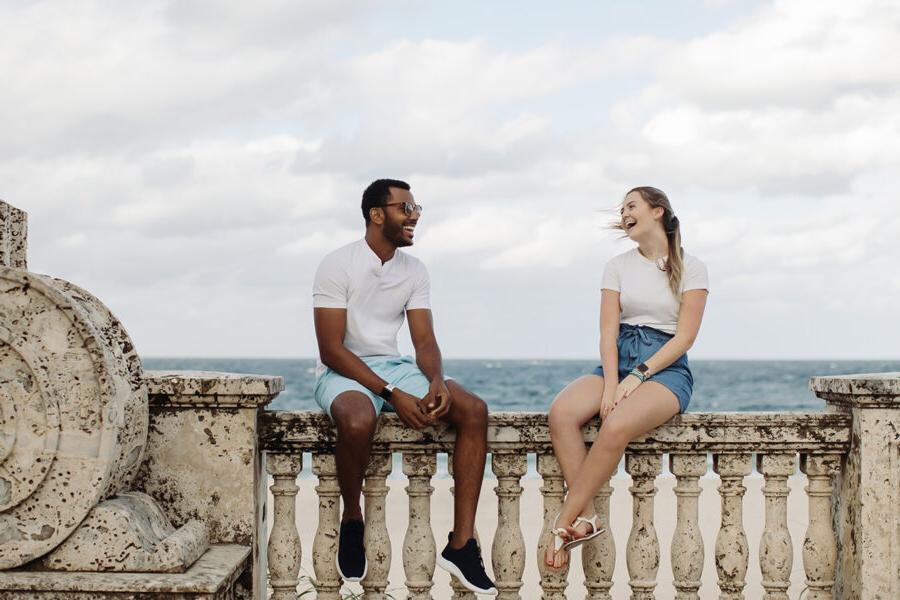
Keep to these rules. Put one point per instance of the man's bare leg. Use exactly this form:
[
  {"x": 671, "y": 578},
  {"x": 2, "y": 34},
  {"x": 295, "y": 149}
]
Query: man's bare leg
[{"x": 355, "y": 420}]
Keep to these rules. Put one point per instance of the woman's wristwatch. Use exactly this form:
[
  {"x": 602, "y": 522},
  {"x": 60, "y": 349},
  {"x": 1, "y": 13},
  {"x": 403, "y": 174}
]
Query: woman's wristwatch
[{"x": 642, "y": 372}]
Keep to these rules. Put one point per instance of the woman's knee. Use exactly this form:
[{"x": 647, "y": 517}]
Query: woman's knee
[{"x": 614, "y": 434}]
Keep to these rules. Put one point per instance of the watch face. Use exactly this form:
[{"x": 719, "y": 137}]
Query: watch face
[{"x": 643, "y": 368}]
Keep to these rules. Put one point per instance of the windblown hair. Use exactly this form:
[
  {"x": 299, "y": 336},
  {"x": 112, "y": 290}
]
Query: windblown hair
[
  {"x": 656, "y": 198},
  {"x": 379, "y": 192}
]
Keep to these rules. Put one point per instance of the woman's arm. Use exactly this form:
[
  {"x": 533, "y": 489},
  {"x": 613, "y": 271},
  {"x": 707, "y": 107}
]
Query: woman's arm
[
  {"x": 610, "y": 311},
  {"x": 693, "y": 303}
]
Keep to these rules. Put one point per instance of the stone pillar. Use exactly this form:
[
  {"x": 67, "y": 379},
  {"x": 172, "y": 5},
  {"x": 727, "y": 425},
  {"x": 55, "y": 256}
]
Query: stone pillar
[
  {"x": 13, "y": 237},
  {"x": 202, "y": 458},
  {"x": 867, "y": 488}
]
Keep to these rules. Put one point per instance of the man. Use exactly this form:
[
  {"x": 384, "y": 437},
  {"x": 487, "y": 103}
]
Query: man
[{"x": 360, "y": 294}]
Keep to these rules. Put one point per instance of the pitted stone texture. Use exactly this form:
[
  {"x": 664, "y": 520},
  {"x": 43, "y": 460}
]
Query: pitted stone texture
[
  {"x": 220, "y": 574},
  {"x": 129, "y": 533},
  {"x": 867, "y": 488},
  {"x": 13, "y": 237},
  {"x": 72, "y": 421}
]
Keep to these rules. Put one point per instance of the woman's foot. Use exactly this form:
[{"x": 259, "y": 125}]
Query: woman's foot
[
  {"x": 583, "y": 530},
  {"x": 555, "y": 556}
]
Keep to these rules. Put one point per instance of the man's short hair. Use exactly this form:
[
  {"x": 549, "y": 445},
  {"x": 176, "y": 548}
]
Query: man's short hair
[{"x": 378, "y": 193}]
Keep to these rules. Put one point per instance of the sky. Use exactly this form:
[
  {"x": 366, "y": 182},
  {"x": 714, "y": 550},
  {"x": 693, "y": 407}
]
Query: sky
[{"x": 190, "y": 163}]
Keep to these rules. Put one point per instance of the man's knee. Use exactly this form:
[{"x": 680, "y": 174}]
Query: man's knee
[
  {"x": 471, "y": 409},
  {"x": 354, "y": 416}
]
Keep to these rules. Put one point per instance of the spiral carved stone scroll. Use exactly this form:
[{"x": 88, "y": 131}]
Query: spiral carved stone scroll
[{"x": 73, "y": 411}]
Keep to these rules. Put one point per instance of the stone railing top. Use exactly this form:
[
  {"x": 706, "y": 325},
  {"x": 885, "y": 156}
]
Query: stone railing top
[
  {"x": 289, "y": 431},
  {"x": 204, "y": 388},
  {"x": 877, "y": 388}
]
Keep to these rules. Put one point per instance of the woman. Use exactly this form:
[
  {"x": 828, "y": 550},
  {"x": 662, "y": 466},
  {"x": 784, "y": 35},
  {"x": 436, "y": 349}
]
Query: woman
[{"x": 652, "y": 303}]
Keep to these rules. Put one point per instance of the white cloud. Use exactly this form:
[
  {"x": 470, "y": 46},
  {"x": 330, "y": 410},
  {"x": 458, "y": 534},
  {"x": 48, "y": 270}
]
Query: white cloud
[{"x": 218, "y": 152}]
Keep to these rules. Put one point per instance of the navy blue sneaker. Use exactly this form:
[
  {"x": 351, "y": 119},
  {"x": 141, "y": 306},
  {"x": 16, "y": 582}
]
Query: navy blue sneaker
[
  {"x": 466, "y": 565},
  {"x": 351, "y": 556}
]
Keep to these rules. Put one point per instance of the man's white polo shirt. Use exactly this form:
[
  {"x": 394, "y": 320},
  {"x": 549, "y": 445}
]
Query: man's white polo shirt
[{"x": 376, "y": 296}]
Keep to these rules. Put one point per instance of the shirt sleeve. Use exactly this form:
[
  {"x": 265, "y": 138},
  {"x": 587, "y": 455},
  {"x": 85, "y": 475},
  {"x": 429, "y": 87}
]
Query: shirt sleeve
[
  {"x": 330, "y": 285},
  {"x": 611, "y": 280},
  {"x": 421, "y": 294},
  {"x": 696, "y": 277}
]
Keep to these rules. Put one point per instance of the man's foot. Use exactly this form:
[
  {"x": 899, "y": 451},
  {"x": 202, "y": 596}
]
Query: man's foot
[
  {"x": 351, "y": 556},
  {"x": 466, "y": 564}
]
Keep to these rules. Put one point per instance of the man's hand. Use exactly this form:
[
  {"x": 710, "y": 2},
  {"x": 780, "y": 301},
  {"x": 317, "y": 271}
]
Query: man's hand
[
  {"x": 437, "y": 402},
  {"x": 408, "y": 409}
]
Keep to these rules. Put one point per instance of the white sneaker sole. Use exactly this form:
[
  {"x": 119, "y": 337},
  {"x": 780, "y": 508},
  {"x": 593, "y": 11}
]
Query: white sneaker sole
[
  {"x": 454, "y": 570},
  {"x": 351, "y": 579}
]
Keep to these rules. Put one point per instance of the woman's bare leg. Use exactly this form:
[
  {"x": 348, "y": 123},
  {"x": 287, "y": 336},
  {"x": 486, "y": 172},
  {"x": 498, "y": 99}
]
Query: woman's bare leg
[
  {"x": 648, "y": 407},
  {"x": 574, "y": 406}
]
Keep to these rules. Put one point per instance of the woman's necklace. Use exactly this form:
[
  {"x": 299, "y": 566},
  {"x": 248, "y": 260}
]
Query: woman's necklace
[{"x": 660, "y": 261}]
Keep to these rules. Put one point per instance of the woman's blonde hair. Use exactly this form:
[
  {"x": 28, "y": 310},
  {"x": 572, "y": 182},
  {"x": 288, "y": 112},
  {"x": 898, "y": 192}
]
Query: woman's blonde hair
[{"x": 656, "y": 198}]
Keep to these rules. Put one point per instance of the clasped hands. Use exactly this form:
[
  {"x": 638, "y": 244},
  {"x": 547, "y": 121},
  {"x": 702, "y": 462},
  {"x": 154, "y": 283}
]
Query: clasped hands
[
  {"x": 611, "y": 401},
  {"x": 419, "y": 413}
]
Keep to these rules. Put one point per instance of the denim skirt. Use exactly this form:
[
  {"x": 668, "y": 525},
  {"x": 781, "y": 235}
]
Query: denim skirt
[{"x": 636, "y": 344}]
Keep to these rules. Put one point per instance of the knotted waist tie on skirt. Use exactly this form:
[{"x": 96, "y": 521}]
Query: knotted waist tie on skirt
[{"x": 631, "y": 339}]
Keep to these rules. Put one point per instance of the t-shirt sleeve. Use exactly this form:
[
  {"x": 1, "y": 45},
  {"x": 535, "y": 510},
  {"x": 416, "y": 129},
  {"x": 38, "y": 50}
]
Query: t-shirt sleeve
[
  {"x": 611, "y": 279},
  {"x": 696, "y": 277},
  {"x": 421, "y": 294},
  {"x": 330, "y": 285}
]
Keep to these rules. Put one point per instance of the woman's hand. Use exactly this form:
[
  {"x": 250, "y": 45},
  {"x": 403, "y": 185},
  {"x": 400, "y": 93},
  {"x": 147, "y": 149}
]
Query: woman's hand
[
  {"x": 625, "y": 387},
  {"x": 607, "y": 402}
]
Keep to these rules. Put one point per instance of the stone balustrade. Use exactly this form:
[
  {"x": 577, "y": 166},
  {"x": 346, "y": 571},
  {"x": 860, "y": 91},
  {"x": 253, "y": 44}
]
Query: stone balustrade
[{"x": 778, "y": 443}]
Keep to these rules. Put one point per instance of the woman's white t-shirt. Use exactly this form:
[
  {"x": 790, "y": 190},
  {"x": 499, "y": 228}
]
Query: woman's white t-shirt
[{"x": 644, "y": 291}]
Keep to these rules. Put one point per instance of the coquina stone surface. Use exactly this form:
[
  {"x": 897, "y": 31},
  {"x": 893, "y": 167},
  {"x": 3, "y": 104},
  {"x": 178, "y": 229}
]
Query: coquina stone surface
[
  {"x": 203, "y": 460},
  {"x": 73, "y": 411},
  {"x": 215, "y": 576},
  {"x": 13, "y": 237},
  {"x": 129, "y": 533},
  {"x": 867, "y": 487}
]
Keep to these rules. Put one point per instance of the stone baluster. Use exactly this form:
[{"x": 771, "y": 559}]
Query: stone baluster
[
  {"x": 325, "y": 544},
  {"x": 459, "y": 590},
  {"x": 553, "y": 583},
  {"x": 687, "y": 543},
  {"x": 776, "y": 551},
  {"x": 376, "y": 538},
  {"x": 419, "y": 552},
  {"x": 508, "y": 551},
  {"x": 819, "y": 547},
  {"x": 284, "y": 542},
  {"x": 732, "y": 553},
  {"x": 642, "y": 551},
  {"x": 598, "y": 557}
]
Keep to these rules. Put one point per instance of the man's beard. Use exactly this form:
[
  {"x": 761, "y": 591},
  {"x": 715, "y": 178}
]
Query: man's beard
[{"x": 394, "y": 232}]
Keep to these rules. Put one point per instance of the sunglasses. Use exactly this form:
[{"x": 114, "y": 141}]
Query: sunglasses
[{"x": 408, "y": 207}]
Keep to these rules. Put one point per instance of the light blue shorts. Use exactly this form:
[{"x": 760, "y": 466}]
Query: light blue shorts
[
  {"x": 401, "y": 371},
  {"x": 636, "y": 344}
]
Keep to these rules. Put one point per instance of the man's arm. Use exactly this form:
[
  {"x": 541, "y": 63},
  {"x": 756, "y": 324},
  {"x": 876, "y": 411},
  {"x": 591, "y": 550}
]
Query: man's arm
[
  {"x": 331, "y": 325},
  {"x": 428, "y": 358}
]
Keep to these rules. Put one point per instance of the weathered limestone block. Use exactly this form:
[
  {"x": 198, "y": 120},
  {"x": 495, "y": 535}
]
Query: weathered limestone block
[
  {"x": 13, "y": 237},
  {"x": 213, "y": 577},
  {"x": 203, "y": 460},
  {"x": 73, "y": 411},
  {"x": 867, "y": 486},
  {"x": 129, "y": 533}
]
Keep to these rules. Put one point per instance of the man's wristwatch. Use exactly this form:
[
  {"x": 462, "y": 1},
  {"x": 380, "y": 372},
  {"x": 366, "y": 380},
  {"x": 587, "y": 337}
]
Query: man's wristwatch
[{"x": 386, "y": 392}]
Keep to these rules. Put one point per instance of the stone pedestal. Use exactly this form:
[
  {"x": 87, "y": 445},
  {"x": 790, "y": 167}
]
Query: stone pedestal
[
  {"x": 203, "y": 460},
  {"x": 867, "y": 490},
  {"x": 213, "y": 577}
]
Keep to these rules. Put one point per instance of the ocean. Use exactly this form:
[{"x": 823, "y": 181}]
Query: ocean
[{"x": 531, "y": 385}]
